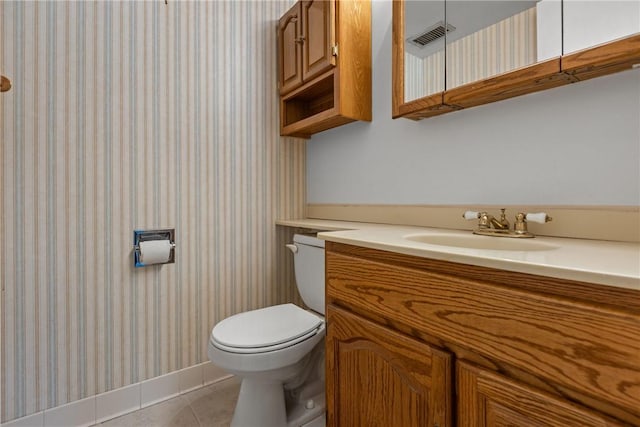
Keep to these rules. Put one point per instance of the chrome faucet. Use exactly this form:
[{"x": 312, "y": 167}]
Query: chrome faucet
[{"x": 501, "y": 227}]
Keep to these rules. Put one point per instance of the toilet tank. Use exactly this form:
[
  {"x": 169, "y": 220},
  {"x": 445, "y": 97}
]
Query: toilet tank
[{"x": 308, "y": 262}]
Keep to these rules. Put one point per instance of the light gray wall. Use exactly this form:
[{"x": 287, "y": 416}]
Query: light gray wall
[{"x": 574, "y": 145}]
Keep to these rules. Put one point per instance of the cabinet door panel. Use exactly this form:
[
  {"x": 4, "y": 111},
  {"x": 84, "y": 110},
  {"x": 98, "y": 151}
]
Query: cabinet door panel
[
  {"x": 290, "y": 50},
  {"x": 318, "y": 18},
  {"x": 378, "y": 377},
  {"x": 486, "y": 399}
]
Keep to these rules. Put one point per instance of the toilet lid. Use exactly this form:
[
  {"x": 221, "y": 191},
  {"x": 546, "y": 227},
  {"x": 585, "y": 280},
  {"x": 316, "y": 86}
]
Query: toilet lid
[{"x": 265, "y": 327}]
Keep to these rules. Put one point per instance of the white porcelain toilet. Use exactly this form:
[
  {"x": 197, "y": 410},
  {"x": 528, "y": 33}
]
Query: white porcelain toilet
[{"x": 278, "y": 351}]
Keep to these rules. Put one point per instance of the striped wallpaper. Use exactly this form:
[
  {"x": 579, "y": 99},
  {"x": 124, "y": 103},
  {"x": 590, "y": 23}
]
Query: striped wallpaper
[
  {"x": 504, "y": 46},
  {"x": 423, "y": 76},
  {"x": 127, "y": 115}
]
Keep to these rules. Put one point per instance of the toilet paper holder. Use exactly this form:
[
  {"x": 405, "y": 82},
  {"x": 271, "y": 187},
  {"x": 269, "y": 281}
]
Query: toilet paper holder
[{"x": 146, "y": 235}]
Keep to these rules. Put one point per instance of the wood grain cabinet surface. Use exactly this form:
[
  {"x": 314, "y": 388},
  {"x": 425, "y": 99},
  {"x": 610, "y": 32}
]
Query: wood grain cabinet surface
[
  {"x": 318, "y": 38},
  {"x": 324, "y": 65},
  {"x": 290, "y": 50},
  {"x": 505, "y": 348},
  {"x": 488, "y": 399},
  {"x": 305, "y": 41},
  {"x": 380, "y": 377}
]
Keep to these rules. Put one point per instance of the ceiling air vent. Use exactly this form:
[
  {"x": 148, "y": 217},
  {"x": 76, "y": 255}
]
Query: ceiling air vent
[{"x": 430, "y": 35}]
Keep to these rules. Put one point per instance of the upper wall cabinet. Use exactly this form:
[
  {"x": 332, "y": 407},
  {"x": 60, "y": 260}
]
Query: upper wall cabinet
[
  {"x": 324, "y": 61},
  {"x": 290, "y": 50},
  {"x": 456, "y": 54},
  {"x": 305, "y": 43}
]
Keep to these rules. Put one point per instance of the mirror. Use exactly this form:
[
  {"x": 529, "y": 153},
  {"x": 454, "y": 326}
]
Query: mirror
[
  {"x": 483, "y": 38},
  {"x": 424, "y": 42},
  {"x": 588, "y": 23},
  {"x": 495, "y": 37},
  {"x": 454, "y": 54}
]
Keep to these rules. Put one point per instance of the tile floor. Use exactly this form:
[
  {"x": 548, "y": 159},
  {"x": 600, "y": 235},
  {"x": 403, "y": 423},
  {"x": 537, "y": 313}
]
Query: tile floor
[{"x": 210, "y": 406}]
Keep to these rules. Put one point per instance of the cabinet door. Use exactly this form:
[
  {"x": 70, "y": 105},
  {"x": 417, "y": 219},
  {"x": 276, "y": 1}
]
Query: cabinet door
[
  {"x": 290, "y": 50},
  {"x": 488, "y": 399},
  {"x": 318, "y": 37},
  {"x": 379, "y": 377}
]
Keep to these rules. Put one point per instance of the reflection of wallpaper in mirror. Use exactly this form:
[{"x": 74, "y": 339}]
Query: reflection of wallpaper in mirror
[
  {"x": 502, "y": 47},
  {"x": 423, "y": 77}
]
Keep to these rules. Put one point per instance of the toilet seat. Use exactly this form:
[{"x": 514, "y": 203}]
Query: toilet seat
[
  {"x": 254, "y": 350},
  {"x": 265, "y": 330}
]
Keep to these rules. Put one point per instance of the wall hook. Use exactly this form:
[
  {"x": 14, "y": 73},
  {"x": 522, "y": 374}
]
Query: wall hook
[{"x": 5, "y": 84}]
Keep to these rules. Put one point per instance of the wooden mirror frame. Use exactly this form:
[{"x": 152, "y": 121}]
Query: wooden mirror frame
[
  {"x": 431, "y": 105},
  {"x": 608, "y": 58}
]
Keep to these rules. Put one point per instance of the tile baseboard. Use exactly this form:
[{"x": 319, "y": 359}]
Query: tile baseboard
[
  {"x": 36, "y": 419},
  {"x": 159, "y": 389},
  {"x": 118, "y": 402},
  {"x": 81, "y": 413},
  {"x": 115, "y": 403}
]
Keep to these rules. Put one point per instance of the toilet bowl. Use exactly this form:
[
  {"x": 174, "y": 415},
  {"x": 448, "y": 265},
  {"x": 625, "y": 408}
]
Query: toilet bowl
[{"x": 278, "y": 351}]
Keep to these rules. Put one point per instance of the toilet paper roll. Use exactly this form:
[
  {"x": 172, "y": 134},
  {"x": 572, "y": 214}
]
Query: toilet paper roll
[{"x": 155, "y": 251}]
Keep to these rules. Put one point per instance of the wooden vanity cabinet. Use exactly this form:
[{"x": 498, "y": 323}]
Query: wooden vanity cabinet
[
  {"x": 515, "y": 349},
  {"x": 324, "y": 65},
  {"x": 489, "y": 399},
  {"x": 380, "y": 377}
]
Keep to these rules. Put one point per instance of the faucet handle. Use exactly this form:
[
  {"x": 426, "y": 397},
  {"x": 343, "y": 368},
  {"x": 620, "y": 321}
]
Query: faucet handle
[
  {"x": 540, "y": 217},
  {"x": 520, "y": 226},
  {"x": 469, "y": 215}
]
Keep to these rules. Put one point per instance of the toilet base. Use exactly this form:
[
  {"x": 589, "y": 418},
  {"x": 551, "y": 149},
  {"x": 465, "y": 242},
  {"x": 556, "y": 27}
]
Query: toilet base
[
  {"x": 260, "y": 404},
  {"x": 303, "y": 414}
]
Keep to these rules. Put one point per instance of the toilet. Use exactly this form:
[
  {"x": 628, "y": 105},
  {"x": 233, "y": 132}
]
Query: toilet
[{"x": 278, "y": 351}]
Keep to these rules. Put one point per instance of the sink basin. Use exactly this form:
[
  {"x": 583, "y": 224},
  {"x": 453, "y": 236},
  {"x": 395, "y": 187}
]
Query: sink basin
[{"x": 473, "y": 241}]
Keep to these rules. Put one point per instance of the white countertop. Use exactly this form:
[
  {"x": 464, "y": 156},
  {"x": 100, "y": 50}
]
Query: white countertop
[{"x": 602, "y": 262}]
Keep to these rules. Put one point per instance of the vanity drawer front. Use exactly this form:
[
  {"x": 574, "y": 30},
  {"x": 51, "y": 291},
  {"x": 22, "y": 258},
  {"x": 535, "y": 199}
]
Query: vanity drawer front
[{"x": 573, "y": 346}]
